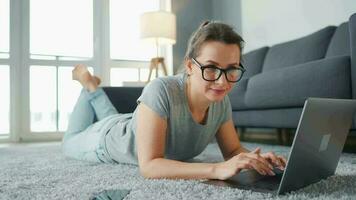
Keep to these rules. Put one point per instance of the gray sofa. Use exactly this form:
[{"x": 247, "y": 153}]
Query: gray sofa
[{"x": 280, "y": 78}]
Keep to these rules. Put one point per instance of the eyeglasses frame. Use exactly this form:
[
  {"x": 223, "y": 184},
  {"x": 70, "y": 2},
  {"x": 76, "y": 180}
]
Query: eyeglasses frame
[{"x": 202, "y": 68}]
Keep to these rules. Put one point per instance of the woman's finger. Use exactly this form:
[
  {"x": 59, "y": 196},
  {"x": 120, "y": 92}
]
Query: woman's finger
[
  {"x": 261, "y": 159},
  {"x": 245, "y": 162},
  {"x": 257, "y": 155},
  {"x": 274, "y": 159},
  {"x": 260, "y": 163},
  {"x": 257, "y": 150},
  {"x": 248, "y": 163},
  {"x": 284, "y": 161}
]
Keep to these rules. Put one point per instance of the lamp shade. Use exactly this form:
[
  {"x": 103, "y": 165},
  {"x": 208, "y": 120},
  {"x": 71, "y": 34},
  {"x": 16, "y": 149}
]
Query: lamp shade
[{"x": 158, "y": 27}]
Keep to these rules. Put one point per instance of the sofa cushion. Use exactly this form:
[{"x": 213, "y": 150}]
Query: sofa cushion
[
  {"x": 269, "y": 118},
  {"x": 352, "y": 29},
  {"x": 291, "y": 86},
  {"x": 253, "y": 61},
  {"x": 340, "y": 42},
  {"x": 237, "y": 95},
  {"x": 305, "y": 49},
  {"x": 123, "y": 98}
]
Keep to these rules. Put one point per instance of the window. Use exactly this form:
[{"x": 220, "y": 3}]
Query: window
[
  {"x": 58, "y": 36},
  {"x": 47, "y": 40},
  {"x": 4, "y": 100},
  {"x": 4, "y": 27},
  {"x": 129, "y": 56},
  {"x": 123, "y": 76},
  {"x": 43, "y": 98},
  {"x": 125, "y": 15},
  {"x": 53, "y": 94},
  {"x": 57, "y": 28},
  {"x": 4, "y": 67}
]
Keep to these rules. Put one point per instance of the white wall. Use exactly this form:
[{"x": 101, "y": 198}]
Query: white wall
[
  {"x": 269, "y": 22},
  {"x": 228, "y": 11},
  {"x": 190, "y": 14}
]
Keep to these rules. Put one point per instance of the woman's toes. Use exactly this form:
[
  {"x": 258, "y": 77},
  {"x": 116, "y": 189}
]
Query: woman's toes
[{"x": 78, "y": 71}]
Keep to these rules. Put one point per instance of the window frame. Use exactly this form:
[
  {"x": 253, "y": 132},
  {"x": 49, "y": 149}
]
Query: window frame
[
  {"x": 20, "y": 62},
  {"x": 6, "y": 61}
]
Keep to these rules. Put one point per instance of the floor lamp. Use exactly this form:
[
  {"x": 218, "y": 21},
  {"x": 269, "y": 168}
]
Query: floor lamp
[{"x": 159, "y": 28}]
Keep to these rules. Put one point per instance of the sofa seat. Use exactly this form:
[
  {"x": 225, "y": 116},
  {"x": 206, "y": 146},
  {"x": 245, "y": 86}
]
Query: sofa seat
[{"x": 291, "y": 86}]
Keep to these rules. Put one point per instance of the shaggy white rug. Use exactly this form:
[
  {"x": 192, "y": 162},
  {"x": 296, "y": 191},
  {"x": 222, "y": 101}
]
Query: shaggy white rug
[{"x": 42, "y": 172}]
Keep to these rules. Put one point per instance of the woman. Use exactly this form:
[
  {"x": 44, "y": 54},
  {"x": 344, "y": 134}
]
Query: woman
[{"x": 176, "y": 117}]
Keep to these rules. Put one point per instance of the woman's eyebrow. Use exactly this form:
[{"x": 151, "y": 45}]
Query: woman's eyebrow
[{"x": 211, "y": 61}]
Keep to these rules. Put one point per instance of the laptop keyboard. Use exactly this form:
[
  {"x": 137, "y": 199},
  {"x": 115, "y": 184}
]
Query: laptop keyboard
[
  {"x": 251, "y": 180},
  {"x": 268, "y": 182},
  {"x": 258, "y": 182}
]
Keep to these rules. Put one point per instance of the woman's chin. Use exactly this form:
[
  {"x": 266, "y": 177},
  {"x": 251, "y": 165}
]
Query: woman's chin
[{"x": 216, "y": 97}]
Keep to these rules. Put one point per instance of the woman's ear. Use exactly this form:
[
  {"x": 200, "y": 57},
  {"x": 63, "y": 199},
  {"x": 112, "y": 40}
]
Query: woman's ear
[{"x": 188, "y": 66}]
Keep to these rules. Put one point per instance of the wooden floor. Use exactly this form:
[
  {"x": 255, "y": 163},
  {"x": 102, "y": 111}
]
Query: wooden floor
[{"x": 271, "y": 136}]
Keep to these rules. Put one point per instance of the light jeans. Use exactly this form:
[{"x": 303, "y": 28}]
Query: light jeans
[{"x": 82, "y": 138}]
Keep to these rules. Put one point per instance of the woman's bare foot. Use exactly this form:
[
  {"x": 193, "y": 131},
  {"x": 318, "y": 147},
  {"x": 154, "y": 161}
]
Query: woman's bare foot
[
  {"x": 83, "y": 76},
  {"x": 97, "y": 80}
]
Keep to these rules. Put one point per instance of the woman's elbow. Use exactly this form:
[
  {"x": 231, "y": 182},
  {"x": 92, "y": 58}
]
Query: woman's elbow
[{"x": 147, "y": 171}]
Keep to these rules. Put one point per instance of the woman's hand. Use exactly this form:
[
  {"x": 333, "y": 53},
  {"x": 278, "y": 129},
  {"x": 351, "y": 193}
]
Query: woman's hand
[
  {"x": 278, "y": 161},
  {"x": 251, "y": 160}
]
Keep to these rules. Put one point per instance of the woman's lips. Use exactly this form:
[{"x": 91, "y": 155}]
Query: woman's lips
[{"x": 218, "y": 91}]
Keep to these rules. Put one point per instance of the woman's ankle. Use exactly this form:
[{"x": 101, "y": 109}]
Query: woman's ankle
[{"x": 91, "y": 87}]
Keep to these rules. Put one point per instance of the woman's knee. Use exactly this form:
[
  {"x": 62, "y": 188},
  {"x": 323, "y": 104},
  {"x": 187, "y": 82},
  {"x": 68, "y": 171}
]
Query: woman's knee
[{"x": 69, "y": 134}]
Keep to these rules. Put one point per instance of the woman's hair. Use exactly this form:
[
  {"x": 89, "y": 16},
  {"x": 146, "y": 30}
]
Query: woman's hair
[{"x": 212, "y": 31}]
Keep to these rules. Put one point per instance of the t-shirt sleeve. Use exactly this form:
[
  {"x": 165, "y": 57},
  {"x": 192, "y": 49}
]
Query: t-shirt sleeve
[
  {"x": 155, "y": 96},
  {"x": 227, "y": 110}
]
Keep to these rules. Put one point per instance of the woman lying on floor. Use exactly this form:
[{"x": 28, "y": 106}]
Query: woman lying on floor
[{"x": 176, "y": 117}]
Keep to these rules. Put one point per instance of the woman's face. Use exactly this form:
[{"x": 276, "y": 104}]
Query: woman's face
[{"x": 213, "y": 53}]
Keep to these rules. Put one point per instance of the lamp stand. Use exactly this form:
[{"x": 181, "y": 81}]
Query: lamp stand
[{"x": 155, "y": 62}]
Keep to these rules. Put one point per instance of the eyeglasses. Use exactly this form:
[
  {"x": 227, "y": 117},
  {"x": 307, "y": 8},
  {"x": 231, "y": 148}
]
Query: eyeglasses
[{"x": 212, "y": 72}]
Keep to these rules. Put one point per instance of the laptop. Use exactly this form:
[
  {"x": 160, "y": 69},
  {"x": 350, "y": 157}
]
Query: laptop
[{"x": 320, "y": 137}]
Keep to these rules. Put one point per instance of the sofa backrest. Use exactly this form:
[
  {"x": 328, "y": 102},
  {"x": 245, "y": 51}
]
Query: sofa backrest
[
  {"x": 123, "y": 98},
  {"x": 302, "y": 50},
  {"x": 253, "y": 61},
  {"x": 352, "y": 30},
  {"x": 340, "y": 42}
]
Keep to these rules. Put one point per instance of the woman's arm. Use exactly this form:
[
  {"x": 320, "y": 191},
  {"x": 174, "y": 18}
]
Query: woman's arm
[
  {"x": 228, "y": 140},
  {"x": 151, "y": 138},
  {"x": 230, "y": 145}
]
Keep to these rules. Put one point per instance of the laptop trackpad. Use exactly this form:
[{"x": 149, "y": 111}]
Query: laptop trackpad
[{"x": 251, "y": 180}]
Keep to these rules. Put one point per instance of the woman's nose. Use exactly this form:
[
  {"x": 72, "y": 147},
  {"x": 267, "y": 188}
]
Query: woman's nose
[{"x": 222, "y": 79}]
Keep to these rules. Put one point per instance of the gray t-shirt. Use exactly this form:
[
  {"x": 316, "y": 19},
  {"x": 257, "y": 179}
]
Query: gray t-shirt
[{"x": 185, "y": 137}]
